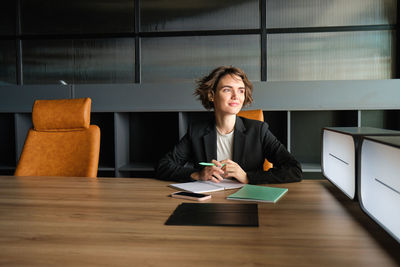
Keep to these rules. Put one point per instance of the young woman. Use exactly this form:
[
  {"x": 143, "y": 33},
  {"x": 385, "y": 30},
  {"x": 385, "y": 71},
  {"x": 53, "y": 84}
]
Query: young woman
[{"x": 237, "y": 146}]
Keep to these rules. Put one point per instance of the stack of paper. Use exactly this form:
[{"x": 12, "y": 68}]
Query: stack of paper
[{"x": 207, "y": 186}]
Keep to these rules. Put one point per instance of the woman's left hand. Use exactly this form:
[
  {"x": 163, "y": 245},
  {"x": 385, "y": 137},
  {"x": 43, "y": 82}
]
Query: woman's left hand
[{"x": 232, "y": 169}]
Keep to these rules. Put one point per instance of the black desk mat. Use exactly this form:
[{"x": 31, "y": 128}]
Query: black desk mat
[{"x": 214, "y": 214}]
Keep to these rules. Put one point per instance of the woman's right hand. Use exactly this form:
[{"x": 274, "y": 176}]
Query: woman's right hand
[{"x": 210, "y": 173}]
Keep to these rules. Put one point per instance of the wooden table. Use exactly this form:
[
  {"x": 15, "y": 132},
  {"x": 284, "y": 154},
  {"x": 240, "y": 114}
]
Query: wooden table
[{"x": 57, "y": 221}]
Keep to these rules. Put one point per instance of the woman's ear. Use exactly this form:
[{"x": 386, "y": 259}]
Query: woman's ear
[{"x": 211, "y": 96}]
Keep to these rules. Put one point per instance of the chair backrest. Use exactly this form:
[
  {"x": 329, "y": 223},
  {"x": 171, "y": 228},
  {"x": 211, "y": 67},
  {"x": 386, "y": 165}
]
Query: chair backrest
[
  {"x": 256, "y": 114},
  {"x": 62, "y": 141}
]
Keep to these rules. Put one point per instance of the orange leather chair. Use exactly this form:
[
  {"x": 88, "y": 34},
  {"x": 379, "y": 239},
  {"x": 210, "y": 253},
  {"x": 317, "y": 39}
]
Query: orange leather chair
[
  {"x": 256, "y": 114},
  {"x": 62, "y": 141}
]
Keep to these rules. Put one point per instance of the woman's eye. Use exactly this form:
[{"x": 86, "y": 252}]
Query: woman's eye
[
  {"x": 241, "y": 91},
  {"x": 226, "y": 90}
]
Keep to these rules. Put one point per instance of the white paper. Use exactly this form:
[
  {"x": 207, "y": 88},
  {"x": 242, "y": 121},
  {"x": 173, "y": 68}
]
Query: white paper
[{"x": 207, "y": 186}]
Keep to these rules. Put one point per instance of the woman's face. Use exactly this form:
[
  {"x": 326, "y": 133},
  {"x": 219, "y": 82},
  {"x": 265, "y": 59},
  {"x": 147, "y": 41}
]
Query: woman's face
[{"x": 229, "y": 95}]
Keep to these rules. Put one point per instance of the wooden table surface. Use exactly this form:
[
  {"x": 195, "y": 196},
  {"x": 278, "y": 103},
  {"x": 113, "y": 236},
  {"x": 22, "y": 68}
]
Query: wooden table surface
[{"x": 59, "y": 221}]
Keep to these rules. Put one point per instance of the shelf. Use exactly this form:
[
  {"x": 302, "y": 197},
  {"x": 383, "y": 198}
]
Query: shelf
[
  {"x": 7, "y": 141},
  {"x": 140, "y": 139},
  {"x": 277, "y": 121},
  {"x": 151, "y": 135},
  {"x": 106, "y": 168},
  {"x": 187, "y": 118},
  {"x": 306, "y": 127},
  {"x": 386, "y": 119},
  {"x": 105, "y": 121},
  {"x": 311, "y": 167},
  {"x": 7, "y": 168},
  {"x": 105, "y": 173},
  {"x": 140, "y": 166}
]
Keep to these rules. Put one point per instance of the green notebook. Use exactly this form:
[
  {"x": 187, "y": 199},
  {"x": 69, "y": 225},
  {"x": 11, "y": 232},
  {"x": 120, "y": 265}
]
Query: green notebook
[{"x": 258, "y": 193}]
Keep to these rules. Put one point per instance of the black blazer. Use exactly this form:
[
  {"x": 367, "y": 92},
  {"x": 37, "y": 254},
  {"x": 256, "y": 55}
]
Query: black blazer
[{"x": 252, "y": 143}]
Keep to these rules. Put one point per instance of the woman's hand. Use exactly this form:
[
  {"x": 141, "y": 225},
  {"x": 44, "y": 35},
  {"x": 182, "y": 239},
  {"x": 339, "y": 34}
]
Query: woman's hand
[
  {"x": 210, "y": 173},
  {"x": 233, "y": 170}
]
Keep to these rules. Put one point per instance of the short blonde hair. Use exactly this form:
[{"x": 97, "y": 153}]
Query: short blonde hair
[{"x": 207, "y": 85}]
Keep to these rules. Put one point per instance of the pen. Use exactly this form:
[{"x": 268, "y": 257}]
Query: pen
[{"x": 209, "y": 164}]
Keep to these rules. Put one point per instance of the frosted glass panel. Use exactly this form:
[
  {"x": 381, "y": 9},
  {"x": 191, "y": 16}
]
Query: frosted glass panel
[
  {"x": 318, "y": 13},
  {"x": 77, "y": 16},
  {"x": 7, "y": 17},
  {"x": 8, "y": 63},
  {"x": 331, "y": 56},
  {"x": 187, "y": 58},
  {"x": 79, "y": 61},
  {"x": 104, "y": 60},
  {"x": 158, "y": 15},
  {"x": 47, "y": 61}
]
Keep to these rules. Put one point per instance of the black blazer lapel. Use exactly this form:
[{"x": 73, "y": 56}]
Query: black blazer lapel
[
  {"x": 210, "y": 143},
  {"x": 239, "y": 140}
]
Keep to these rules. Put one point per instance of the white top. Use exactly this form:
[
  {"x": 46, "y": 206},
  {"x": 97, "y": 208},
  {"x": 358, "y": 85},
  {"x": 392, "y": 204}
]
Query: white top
[{"x": 224, "y": 146}]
